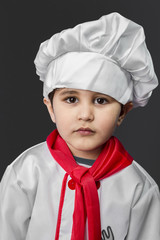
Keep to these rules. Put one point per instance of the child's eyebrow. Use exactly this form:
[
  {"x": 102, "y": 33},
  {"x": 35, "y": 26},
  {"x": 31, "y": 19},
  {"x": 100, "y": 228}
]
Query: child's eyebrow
[{"x": 68, "y": 92}]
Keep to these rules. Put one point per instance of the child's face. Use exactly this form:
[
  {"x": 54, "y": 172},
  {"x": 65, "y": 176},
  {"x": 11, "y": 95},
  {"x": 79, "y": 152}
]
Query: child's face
[{"x": 84, "y": 119}]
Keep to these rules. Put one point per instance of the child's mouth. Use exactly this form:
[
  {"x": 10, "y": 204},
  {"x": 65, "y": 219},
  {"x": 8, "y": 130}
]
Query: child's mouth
[{"x": 85, "y": 131}]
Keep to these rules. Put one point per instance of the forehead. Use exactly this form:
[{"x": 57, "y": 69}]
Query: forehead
[{"x": 73, "y": 91}]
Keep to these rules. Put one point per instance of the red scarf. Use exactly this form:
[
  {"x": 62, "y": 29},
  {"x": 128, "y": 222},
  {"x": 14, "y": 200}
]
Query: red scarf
[{"x": 112, "y": 159}]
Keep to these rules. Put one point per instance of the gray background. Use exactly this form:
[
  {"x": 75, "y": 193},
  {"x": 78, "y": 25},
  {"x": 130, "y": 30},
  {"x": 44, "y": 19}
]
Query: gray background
[{"x": 24, "y": 120}]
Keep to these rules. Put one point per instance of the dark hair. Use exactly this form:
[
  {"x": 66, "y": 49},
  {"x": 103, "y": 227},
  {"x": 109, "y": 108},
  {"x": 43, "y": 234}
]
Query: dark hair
[{"x": 51, "y": 95}]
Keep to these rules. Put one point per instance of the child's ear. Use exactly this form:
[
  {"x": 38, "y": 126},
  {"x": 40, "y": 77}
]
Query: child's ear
[
  {"x": 50, "y": 109},
  {"x": 125, "y": 109}
]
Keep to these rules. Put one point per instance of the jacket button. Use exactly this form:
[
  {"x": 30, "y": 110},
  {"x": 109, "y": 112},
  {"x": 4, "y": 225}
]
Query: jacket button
[
  {"x": 71, "y": 184},
  {"x": 98, "y": 184}
]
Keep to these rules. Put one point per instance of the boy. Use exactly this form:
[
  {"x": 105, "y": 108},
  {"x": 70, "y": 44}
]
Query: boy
[{"x": 81, "y": 183}]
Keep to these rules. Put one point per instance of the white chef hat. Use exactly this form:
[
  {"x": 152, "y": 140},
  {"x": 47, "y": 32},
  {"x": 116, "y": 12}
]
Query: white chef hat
[{"x": 108, "y": 55}]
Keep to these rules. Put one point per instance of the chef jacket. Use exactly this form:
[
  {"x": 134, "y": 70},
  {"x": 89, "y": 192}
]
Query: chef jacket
[{"x": 30, "y": 194}]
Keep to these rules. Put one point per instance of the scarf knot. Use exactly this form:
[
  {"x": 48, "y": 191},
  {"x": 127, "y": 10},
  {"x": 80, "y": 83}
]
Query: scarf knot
[{"x": 78, "y": 174}]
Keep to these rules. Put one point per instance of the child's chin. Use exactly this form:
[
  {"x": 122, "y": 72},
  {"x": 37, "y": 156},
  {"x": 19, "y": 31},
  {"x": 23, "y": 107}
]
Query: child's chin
[{"x": 87, "y": 148}]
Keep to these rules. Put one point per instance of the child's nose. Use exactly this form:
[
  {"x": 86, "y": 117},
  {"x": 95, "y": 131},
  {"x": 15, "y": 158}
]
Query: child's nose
[{"x": 86, "y": 113}]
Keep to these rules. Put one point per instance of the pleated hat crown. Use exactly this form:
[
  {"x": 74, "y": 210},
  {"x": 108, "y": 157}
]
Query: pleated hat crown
[{"x": 108, "y": 55}]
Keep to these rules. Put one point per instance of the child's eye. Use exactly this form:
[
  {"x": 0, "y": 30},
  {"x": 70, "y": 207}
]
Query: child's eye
[
  {"x": 100, "y": 101},
  {"x": 71, "y": 100}
]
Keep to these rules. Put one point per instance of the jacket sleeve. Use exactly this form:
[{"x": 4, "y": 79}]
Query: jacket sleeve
[
  {"x": 145, "y": 215},
  {"x": 14, "y": 208}
]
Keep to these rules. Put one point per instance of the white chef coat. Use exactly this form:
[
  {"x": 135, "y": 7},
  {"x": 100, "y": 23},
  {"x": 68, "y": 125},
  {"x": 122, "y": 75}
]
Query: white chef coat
[{"x": 30, "y": 194}]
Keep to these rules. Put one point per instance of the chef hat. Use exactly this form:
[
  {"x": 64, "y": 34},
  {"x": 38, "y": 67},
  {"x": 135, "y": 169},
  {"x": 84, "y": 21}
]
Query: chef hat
[{"x": 108, "y": 55}]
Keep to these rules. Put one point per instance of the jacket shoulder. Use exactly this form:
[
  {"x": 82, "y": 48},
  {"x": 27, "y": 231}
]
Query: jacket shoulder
[
  {"x": 32, "y": 154},
  {"x": 142, "y": 174},
  {"x": 30, "y": 162},
  {"x": 144, "y": 184}
]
